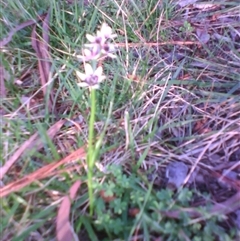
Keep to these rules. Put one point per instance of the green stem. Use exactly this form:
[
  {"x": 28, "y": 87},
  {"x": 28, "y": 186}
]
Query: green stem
[{"x": 91, "y": 150}]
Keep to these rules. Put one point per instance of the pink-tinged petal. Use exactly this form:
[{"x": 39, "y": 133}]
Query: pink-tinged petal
[
  {"x": 90, "y": 38},
  {"x": 86, "y": 57},
  {"x": 106, "y": 31},
  {"x": 80, "y": 56},
  {"x": 99, "y": 33},
  {"x": 98, "y": 71},
  {"x": 96, "y": 50},
  {"x": 107, "y": 49},
  {"x": 87, "y": 52},
  {"x": 100, "y": 39},
  {"x": 95, "y": 86},
  {"x": 101, "y": 78},
  {"x": 82, "y": 84},
  {"x": 88, "y": 69},
  {"x": 92, "y": 53},
  {"x": 81, "y": 75}
]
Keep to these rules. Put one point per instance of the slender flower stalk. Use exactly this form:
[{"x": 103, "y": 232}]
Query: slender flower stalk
[
  {"x": 91, "y": 150},
  {"x": 98, "y": 47}
]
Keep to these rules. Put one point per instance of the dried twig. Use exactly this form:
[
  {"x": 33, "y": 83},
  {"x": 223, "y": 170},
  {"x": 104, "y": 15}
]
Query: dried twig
[
  {"x": 153, "y": 44},
  {"x": 41, "y": 173}
]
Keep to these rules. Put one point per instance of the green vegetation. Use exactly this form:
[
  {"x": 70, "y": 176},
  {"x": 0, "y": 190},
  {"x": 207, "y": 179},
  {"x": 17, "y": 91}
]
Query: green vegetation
[{"x": 171, "y": 95}]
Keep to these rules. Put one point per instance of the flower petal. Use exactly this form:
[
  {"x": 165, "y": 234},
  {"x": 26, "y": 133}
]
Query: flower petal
[
  {"x": 113, "y": 56},
  {"x": 101, "y": 78},
  {"x": 95, "y": 86},
  {"x": 98, "y": 71},
  {"x": 88, "y": 69},
  {"x": 87, "y": 52},
  {"x": 83, "y": 84},
  {"x": 93, "y": 52},
  {"x": 106, "y": 32},
  {"x": 108, "y": 49},
  {"x": 90, "y": 38},
  {"x": 81, "y": 75}
]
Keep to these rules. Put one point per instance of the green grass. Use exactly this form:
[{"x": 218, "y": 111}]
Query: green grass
[{"x": 159, "y": 104}]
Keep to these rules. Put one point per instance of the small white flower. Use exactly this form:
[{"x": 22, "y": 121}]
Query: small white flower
[
  {"x": 91, "y": 78},
  {"x": 106, "y": 32},
  {"x": 95, "y": 39},
  {"x": 102, "y": 36},
  {"x": 99, "y": 44},
  {"x": 93, "y": 52},
  {"x": 108, "y": 49}
]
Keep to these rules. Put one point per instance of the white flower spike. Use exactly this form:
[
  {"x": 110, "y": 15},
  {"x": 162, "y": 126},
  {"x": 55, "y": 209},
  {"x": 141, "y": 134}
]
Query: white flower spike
[
  {"x": 98, "y": 47},
  {"x": 91, "y": 78}
]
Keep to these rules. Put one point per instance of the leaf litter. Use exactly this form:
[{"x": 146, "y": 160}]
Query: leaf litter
[
  {"x": 44, "y": 172},
  {"x": 64, "y": 228},
  {"x": 33, "y": 142}
]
